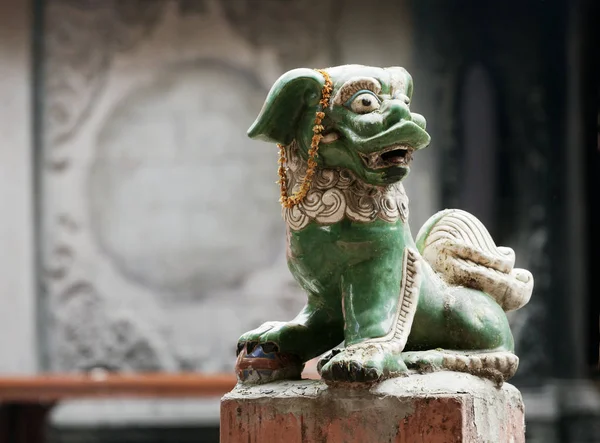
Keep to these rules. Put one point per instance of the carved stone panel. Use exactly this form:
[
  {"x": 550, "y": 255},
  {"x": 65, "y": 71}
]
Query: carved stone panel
[{"x": 162, "y": 237}]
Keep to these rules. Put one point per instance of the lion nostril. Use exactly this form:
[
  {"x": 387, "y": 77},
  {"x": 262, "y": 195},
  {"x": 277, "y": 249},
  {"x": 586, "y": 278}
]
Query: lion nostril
[
  {"x": 419, "y": 120},
  {"x": 396, "y": 111}
]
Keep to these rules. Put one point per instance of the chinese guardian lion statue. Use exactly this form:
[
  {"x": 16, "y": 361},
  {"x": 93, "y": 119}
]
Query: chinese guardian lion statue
[{"x": 346, "y": 137}]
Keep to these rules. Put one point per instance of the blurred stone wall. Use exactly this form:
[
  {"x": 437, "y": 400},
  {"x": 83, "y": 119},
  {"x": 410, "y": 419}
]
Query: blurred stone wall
[
  {"x": 18, "y": 341},
  {"x": 161, "y": 233}
]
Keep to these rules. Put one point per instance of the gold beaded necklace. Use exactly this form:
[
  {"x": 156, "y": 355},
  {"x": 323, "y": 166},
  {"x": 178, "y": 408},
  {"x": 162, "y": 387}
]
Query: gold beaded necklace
[{"x": 291, "y": 201}]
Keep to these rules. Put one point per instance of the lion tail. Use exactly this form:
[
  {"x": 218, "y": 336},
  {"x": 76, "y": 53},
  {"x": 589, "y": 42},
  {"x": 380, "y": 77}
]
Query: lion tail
[{"x": 461, "y": 250}]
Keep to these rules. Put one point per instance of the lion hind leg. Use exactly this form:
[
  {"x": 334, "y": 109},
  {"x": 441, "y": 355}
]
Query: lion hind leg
[{"x": 496, "y": 365}]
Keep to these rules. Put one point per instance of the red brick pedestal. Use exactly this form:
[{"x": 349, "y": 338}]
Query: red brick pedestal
[{"x": 443, "y": 407}]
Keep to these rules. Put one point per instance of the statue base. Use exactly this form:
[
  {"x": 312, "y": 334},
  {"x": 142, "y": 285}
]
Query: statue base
[{"x": 444, "y": 407}]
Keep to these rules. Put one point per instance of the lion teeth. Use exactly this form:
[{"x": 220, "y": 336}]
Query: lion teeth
[{"x": 377, "y": 160}]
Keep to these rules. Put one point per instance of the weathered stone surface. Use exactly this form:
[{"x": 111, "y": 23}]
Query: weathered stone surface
[{"x": 442, "y": 407}]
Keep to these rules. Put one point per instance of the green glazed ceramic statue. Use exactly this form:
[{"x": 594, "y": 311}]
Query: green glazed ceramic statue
[{"x": 346, "y": 137}]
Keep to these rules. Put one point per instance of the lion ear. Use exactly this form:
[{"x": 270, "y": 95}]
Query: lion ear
[{"x": 294, "y": 93}]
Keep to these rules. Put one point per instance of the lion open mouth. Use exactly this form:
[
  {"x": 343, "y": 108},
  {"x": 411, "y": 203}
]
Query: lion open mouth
[{"x": 395, "y": 155}]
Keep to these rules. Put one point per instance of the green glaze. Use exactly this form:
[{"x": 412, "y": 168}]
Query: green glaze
[{"x": 352, "y": 268}]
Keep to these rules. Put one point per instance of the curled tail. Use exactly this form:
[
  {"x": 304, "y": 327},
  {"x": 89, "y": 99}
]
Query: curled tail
[{"x": 460, "y": 249}]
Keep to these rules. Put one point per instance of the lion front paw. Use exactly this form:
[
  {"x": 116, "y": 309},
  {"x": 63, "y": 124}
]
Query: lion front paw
[
  {"x": 424, "y": 361},
  {"x": 264, "y": 363},
  {"x": 362, "y": 363},
  {"x": 286, "y": 336},
  {"x": 263, "y": 354}
]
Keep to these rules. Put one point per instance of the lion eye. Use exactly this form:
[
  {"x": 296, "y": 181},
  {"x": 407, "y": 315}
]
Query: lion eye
[{"x": 364, "y": 102}]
